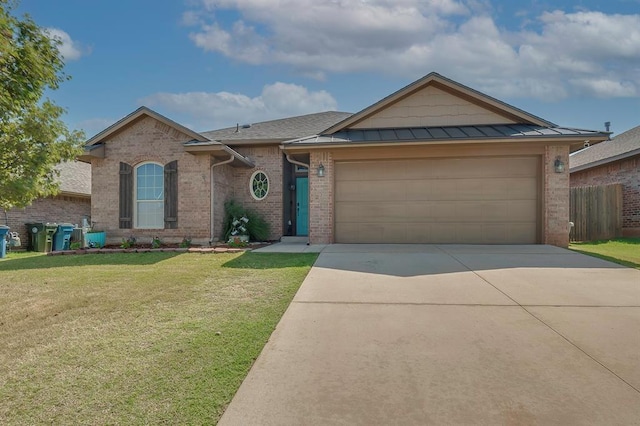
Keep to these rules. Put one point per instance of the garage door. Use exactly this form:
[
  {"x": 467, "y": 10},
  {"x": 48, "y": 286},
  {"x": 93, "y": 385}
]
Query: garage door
[{"x": 465, "y": 200}]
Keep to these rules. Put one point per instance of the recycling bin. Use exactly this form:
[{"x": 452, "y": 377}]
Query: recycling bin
[
  {"x": 3, "y": 240},
  {"x": 62, "y": 236},
  {"x": 37, "y": 236},
  {"x": 50, "y": 230}
]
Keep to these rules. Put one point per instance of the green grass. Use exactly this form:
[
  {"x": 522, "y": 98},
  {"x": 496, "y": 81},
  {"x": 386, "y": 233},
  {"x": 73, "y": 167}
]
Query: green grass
[
  {"x": 149, "y": 338},
  {"x": 625, "y": 251}
]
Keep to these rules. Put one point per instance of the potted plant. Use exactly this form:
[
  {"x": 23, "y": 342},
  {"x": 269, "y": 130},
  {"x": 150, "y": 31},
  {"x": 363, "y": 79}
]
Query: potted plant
[{"x": 94, "y": 238}]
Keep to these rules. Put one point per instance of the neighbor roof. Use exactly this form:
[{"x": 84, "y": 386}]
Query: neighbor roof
[
  {"x": 624, "y": 145},
  {"x": 75, "y": 178},
  {"x": 278, "y": 130},
  {"x": 446, "y": 133}
]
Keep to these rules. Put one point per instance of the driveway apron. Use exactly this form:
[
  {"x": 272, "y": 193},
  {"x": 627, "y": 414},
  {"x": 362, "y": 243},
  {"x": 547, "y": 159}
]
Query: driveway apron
[{"x": 426, "y": 334}]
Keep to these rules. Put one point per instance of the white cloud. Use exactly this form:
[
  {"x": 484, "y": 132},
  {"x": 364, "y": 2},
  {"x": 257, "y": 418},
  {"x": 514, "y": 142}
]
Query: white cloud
[
  {"x": 69, "y": 49},
  {"x": 93, "y": 126},
  {"x": 223, "y": 109},
  {"x": 567, "y": 54}
]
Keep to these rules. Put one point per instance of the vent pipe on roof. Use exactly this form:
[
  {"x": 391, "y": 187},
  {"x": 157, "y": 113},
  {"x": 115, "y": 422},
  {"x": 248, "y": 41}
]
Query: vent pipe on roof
[
  {"x": 607, "y": 126},
  {"x": 237, "y": 127}
]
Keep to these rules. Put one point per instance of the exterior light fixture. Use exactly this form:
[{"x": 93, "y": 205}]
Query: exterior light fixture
[
  {"x": 320, "y": 170},
  {"x": 558, "y": 165}
]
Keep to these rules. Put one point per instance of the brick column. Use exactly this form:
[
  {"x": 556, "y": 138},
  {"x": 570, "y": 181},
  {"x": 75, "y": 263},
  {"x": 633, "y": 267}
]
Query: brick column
[
  {"x": 321, "y": 199},
  {"x": 556, "y": 197}
]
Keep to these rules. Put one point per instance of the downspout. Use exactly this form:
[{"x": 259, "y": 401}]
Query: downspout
[
  {"x": 308, "y": 166},
  {"x": 212, "y": 214},
  {"x": 297, "y": 163}
]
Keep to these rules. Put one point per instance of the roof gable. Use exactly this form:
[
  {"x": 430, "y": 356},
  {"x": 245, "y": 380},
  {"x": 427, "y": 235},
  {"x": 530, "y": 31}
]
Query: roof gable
[
  {"x": 435, "y": 100},
  {"x": 134, "y": 117}
]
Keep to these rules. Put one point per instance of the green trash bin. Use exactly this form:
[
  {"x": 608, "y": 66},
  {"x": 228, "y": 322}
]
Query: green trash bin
[
  {"x": 37, "y": 236},
  {"x": 50, "y": 230}
]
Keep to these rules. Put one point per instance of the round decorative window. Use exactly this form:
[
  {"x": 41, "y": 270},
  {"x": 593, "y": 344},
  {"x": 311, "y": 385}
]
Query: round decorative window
[{"x": 259, "y": 185}]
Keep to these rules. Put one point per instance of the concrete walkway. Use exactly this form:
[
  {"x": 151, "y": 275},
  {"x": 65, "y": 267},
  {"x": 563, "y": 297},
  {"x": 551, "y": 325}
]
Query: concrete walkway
[{"x": 414, "y": 335}]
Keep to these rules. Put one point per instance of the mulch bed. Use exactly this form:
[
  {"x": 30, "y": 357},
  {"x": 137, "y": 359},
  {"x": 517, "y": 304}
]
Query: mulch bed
[{"x": 146, "y": 248}]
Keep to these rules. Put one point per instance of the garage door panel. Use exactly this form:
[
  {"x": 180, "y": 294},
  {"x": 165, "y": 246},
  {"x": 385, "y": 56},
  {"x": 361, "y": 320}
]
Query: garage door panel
[
  {"x": 522, "y": 188},
  {"x": 371, "y": 191},
  {"x": 371, "y": 212},
  {"x": 472, "y": 200}
]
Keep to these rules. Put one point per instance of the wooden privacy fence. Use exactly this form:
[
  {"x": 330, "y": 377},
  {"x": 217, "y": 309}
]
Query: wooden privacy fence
[{"x": 596, "y": 212}]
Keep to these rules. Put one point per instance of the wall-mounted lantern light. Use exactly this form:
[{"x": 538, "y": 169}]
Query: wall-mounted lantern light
[
  {"x": 320, "y": 170},
  {"x": 558, "y": 165}
]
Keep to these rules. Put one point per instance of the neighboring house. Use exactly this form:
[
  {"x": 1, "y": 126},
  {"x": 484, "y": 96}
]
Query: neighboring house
[
  {"x": 614, "y": 161},
  {"x": 72, "y": 203},
  {"x": 435, "y": 162}
]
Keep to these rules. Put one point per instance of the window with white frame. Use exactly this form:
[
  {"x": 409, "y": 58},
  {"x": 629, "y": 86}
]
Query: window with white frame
[
  {"x": 259, "y": 185},
  {"x": 149, "y": 196}
]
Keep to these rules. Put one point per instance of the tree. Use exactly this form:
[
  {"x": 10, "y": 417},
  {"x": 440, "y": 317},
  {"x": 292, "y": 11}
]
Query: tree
[{"x": 33, "y": 137}]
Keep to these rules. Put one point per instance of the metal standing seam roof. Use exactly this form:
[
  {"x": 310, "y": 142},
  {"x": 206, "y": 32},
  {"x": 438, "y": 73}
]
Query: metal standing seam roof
[
  {"x": 622, "y": 146},
  {"x": 444, "y": 133}
]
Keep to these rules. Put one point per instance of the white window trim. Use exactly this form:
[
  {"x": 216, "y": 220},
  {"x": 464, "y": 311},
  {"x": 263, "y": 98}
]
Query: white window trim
[
  {"x": 135, "y": 196},
  {"x": 251, "y": 185}
]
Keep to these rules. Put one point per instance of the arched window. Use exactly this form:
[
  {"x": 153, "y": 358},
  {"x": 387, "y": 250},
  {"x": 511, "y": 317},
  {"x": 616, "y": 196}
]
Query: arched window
[{"x": 149, "y": 196}]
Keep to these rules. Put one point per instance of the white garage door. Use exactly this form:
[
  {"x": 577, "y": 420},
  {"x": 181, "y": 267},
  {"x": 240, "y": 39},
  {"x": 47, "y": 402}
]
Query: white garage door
[{"x": 465, "y": 200}]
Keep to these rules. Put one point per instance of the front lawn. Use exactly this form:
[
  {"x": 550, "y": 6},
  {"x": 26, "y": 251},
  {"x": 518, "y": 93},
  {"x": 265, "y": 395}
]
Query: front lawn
[
  {"x": 625, "y": 251},
  {"x": 149, "y": 338}
]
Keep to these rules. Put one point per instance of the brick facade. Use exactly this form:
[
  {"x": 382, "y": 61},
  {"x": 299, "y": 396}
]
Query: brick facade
[
  {"x": 625, "y": 172},
  {"x": 321, "y": 205},
  {"x": 58, "y": 209},
  {"x": 267, "y": 159},
  {"x": 556, "y": 197},
  {"x": 150, "y": 140}
]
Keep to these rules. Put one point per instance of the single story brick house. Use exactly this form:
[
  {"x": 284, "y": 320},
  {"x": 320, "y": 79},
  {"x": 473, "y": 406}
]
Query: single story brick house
[
  {"x": 614, "y": 161},
  {"x": 72, "y": 203},
  {"x": 435, "y": 162}
]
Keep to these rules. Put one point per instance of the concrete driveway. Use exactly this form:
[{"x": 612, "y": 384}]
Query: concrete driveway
[{"x": 423, "y": 334}]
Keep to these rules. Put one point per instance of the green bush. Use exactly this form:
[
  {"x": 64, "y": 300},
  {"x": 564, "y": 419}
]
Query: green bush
[{"x": 257, "y": 228}]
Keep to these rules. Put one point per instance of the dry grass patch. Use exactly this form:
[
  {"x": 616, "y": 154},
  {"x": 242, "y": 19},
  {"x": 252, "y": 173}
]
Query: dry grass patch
[{"x": 135, "y": 338}]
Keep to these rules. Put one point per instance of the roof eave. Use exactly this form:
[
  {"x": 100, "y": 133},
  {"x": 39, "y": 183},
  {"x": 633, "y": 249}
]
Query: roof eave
[
  {"x": 91, "y": 152},
  {"x": 219, "y": 152},
  {"x": 564, "y": 140}
]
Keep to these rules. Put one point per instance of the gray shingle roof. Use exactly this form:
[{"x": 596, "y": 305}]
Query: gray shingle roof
[
  {"x": 75, "y": 177},
  {"x": 410, "y": 134},
  {"x": 624, "y": 145},
  {"x": 281, "y": 129}
]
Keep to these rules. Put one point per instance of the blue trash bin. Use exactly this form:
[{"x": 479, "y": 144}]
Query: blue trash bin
[
  {"x": 3, "y": 240},
  {"x": 62, "y": 236}
]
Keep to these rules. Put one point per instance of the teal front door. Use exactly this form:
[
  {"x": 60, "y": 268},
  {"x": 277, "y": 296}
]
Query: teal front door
[{"x": 302, "y": 206}]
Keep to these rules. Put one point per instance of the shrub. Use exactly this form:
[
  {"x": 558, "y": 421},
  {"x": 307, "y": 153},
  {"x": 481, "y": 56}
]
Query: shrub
[{"x": 257, "y": 227}]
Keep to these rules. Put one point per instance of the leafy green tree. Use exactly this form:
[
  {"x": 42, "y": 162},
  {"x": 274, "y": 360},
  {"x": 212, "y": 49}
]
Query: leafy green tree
[{"x": 33, "y": 138}]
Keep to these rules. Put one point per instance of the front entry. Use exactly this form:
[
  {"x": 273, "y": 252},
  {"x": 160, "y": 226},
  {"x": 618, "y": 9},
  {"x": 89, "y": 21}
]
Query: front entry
[{"x": 302, "y": 206}]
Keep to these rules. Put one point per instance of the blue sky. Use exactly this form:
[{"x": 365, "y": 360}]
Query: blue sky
[{"x": 214, "y": 63}]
